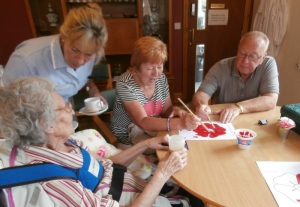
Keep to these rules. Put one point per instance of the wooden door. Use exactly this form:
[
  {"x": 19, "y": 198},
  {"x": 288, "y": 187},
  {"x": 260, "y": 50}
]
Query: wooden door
[{"x": 219, "y": 41}]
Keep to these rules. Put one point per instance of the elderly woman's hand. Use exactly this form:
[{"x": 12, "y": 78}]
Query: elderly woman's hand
[
  {"x": 172, "y": 162},
  {"x": 157, "y": 143},
  {"x": 190, "y": 122}
]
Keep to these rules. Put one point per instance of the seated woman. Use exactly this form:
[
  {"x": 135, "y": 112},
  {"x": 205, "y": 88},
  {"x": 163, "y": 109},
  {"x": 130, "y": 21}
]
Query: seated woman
[
  {"x": 92, "y": 141},
  {"x": 37, "y": 124},
  {"x": 143, "y": 104}
]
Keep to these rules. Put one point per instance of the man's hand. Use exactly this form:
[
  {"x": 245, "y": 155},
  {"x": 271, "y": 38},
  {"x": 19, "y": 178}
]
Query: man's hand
[
  {"x": 202, "y": 111},
  {"x": 228, "y": 114}
]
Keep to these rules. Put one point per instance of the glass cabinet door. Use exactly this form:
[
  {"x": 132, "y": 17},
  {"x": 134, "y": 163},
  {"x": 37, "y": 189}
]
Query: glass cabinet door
[
  {"x": 45, "y": 16},
  {"x": 155, "y": 21}
]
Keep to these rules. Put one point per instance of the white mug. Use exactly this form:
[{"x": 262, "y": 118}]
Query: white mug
[
  {"x": 93, "y": 104},
  {"x": 176, "y": 142}
]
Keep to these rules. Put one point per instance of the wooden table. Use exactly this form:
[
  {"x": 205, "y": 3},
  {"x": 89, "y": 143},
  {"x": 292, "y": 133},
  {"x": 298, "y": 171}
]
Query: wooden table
[{"x": 221, "y": 174}]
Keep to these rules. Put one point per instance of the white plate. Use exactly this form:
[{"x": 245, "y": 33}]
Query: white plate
[
  {"x": 2, "y": 140},
  {"x": 104, "y": 108},
  {"x": 75, "y": 124}
]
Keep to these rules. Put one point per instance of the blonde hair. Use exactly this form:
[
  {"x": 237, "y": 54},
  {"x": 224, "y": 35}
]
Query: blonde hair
[
  {"x": 256, "y": 35},
  {"x": 85, "y": 25},
  {"x": 148, "y": 49}
]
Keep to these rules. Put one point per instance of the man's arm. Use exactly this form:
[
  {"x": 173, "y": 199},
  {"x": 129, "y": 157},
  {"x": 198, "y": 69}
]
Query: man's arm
[
  {"x": 201, "y": 97},
  {"x": 203, "y": 109},
  {"x": 265, "y": 102},
  {"x": 262, "y": 103}
]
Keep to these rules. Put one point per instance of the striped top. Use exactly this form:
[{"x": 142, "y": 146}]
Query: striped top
[
  {"x": 68, "y": 192},
  {"x": 128, "y": 90}
]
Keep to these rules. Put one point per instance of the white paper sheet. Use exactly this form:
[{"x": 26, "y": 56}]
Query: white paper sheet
[
  {"x": 191, "y": 135},
  {"x": 283, "y": 179}
]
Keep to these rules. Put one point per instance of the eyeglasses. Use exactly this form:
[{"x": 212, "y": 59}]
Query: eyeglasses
[
  {"x": 252, "y": 58},
  {"x": 68, "y": 107}
]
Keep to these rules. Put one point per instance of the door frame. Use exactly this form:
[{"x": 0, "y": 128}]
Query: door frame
[{"x": 186, "y": 35}]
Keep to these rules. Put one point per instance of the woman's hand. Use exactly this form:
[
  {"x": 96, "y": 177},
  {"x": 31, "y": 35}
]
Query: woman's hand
[
  {"x": 156, "y": 143},
  {"x": 176, "y": 111},
  {"x": 172, "y": 162},
  {"x": 101, "y": 98},
  {"x": 190, "y": 122}
]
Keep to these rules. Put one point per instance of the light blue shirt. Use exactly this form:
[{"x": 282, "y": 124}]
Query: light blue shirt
[{"x": 43, "y": 57}]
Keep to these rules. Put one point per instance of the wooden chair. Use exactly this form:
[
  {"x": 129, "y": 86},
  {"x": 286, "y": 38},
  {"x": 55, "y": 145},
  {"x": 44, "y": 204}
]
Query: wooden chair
[{"x": 102, "y": 72}]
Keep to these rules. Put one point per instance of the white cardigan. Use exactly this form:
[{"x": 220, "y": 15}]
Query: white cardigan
[{"x": 271, "y": 18}]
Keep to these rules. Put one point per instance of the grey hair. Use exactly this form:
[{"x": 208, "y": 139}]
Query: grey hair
[
  {"x": 26, "y": 110},
  {"x": 256, "y": 35}
]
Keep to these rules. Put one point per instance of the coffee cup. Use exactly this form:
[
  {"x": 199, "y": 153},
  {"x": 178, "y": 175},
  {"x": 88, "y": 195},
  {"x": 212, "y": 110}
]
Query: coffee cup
[
  {"x": 93, "y": 104},
  {"x": 245, "y": 138},
  {"x": 176, "y": 142}
]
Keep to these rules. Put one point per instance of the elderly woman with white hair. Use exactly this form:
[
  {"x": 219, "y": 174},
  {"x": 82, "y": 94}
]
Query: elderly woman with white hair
[{"x": 37, "y": 124}]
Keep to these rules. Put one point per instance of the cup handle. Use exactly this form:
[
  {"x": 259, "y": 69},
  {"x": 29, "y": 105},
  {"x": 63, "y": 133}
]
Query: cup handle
[
  {"x": 168, "y": 136},
  {"x": 99, "y": 104}
]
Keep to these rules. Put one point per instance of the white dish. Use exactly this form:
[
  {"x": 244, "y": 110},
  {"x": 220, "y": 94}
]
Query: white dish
[
  {"x": 103, "y": 109},
  {"x": 75, "y": 124},
  {"x": 2, "y": 140}
]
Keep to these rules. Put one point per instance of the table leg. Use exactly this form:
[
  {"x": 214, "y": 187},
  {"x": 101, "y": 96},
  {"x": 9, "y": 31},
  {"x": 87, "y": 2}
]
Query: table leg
[{"x": 209, "y": 205}]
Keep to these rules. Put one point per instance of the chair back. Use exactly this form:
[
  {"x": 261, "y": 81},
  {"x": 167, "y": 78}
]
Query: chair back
[
  {"x": 102, "y": 72},
  {"x": 110, "y": 96}
]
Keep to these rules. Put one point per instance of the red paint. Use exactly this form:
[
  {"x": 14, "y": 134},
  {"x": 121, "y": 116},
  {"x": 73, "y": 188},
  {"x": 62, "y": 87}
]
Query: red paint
[
  {"x": 218, "y": 131},
  {"x": 298, "y": 178},
  {"x": 246, "y": 134}
]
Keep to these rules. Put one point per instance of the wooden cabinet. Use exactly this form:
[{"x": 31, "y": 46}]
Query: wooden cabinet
[
  {"x": 122, "y": 33},
  {"x": 156, "y": 18},
  {"x": 121, "y": 21},
  {"x": 126, "y": 21},
  {"x": 37, "y": 12}
]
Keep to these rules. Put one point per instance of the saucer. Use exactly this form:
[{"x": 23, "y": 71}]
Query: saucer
[
  {"x": 88, "y": 113},
  {"x": 2, "y": 140},
  {"x": 74, "y": 124}
]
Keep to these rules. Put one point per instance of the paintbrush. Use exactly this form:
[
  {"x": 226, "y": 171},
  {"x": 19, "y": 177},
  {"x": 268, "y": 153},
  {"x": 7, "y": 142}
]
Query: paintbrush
[
  {"x": 187, "y": 108},
  {"x": 208, "y": 117}
]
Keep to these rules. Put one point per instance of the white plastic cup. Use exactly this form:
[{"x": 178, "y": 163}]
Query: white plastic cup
[
  {"x": 245, "y": 137},
  {"x": 93, "y": 104},
  {"x": 176, "y": 142}
]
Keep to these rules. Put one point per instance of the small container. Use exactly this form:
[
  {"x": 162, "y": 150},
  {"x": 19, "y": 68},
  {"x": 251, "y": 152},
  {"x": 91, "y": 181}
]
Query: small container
[
  {"x": 245, "y": 137},
  {"x": 176, "y": 142},
  {"x": 283, "y": 132}
]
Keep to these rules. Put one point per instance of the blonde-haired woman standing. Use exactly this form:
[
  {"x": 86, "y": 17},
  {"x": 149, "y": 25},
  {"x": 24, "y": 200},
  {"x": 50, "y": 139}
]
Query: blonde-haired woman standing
[{"x": 67, "y": 58}]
